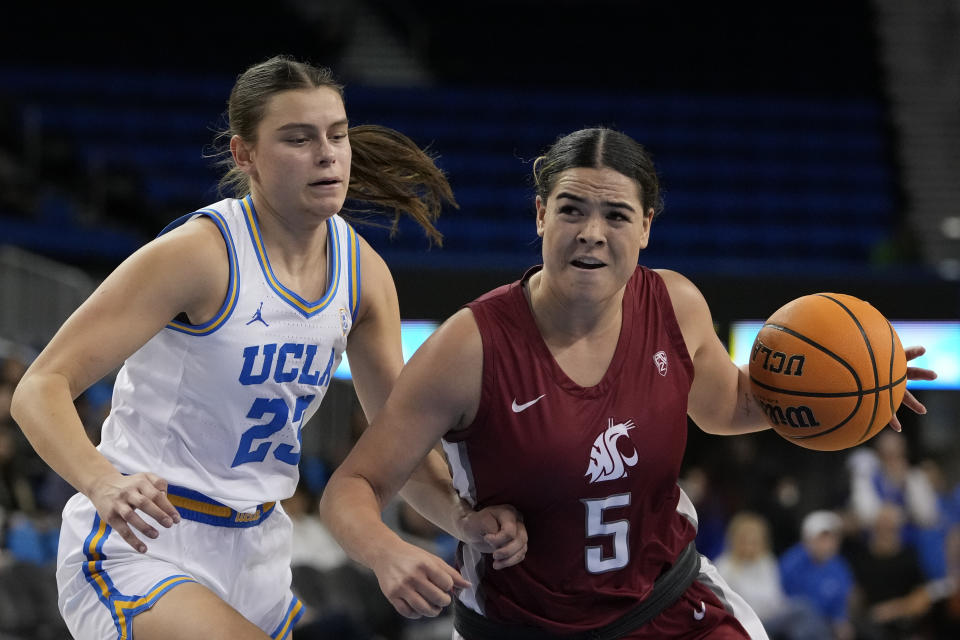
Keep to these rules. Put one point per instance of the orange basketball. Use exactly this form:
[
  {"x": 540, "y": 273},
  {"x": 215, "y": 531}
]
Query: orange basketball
[{"x": 828, "y": 370}]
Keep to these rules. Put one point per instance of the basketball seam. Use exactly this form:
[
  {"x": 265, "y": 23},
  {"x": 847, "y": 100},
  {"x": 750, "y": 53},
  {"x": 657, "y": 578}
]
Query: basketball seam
[
  {"x": 819, "y": 394},
  {"x": 892, "y": 352},
  {"x": 845, "y": 420},
  {"x": 873, "y": 362},
  {"x": 841, "y": 423}
]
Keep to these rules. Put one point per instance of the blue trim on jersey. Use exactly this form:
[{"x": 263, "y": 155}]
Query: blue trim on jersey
[
  {"x": 179, "y": 222},
  {"x": 122, "y": 608},
  {"x": 193, "y": 505},
  {"x": 308, "y": 309},
  {"x": 354, "y": 276},
  {"x": 294, "y": 611},
  {"x": 233, "y": 286}
]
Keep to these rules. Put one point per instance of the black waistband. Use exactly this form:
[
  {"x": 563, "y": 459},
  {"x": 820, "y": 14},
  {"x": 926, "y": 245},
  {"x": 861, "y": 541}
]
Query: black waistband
[{"x": 666, "y": 590}]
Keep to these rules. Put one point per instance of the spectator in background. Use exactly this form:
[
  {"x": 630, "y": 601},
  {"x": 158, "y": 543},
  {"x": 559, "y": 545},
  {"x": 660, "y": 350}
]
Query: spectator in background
[
  {"x": 813, "y": 569},
  {"x": 946, "y": 612},
  {"x": 883, "y": 474},
  {"x": 751, "y": 569},
  {"x": 890, "y": 595},
  {"x": 784, "y": 512},
  {"x": 931, "y": 542}
]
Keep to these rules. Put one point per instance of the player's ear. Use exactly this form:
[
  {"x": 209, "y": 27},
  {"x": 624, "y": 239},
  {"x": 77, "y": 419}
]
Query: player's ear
[
  {"x": 645, "y": 222},
  {"x": 541, "y": 214},
  {"x": 242, "y": 153}
]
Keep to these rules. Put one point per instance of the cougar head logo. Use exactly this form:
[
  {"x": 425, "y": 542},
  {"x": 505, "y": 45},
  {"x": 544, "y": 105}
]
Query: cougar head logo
[{"x": 606, "y": 461}]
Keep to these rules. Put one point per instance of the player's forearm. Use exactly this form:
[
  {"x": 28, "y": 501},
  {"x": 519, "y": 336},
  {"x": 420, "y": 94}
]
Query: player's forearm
[
  {"x": 43, "y": 408},
  {"x": 748, "y": 415},
  {"x": 736, "y": 411},
  {"x": 351, "y": 512},
  {"x": 430, "y": 491}
]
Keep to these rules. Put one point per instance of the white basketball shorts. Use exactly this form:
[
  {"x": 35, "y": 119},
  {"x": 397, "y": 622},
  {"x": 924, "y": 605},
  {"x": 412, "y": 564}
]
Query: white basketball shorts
[{"x": 244, "y": 558}]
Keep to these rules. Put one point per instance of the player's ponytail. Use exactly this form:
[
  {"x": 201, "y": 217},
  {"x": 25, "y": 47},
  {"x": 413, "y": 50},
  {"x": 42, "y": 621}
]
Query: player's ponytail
[{"x": 389, "y": 171}]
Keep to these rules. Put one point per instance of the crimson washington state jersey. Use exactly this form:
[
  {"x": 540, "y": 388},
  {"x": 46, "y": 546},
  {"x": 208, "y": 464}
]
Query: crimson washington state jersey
[{"x": 593, "y": 470}]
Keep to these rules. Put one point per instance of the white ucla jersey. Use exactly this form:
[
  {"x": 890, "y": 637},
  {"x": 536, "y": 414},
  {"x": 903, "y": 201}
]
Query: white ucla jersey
[{"x": 217, "y": 408}]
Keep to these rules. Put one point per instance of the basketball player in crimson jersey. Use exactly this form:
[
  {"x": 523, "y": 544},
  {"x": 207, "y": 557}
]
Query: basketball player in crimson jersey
[{"x": 565, "y": 394}]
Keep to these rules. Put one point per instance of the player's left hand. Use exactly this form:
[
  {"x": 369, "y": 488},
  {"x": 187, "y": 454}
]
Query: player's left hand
[
  {"x": 913, "y": 373},
  {"x": 498, "y": 530}
]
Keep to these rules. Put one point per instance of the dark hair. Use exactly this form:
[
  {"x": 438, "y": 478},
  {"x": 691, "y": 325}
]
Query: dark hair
[
  {"x": 597, "y": 148},
  {"x": 388, "y": 170}
]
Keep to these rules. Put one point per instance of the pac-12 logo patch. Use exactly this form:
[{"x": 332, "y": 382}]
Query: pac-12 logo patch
[
  {"x": 606, "y": 460},
  {"x": 660, "y": 360}
]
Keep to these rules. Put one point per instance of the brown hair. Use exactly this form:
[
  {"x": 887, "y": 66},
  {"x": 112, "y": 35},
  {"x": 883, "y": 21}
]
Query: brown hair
[
  {"x": 388, "y": 170},
  {"x": 598, "y": 148}
]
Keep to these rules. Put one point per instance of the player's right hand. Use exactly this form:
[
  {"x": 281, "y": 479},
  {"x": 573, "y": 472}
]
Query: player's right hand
[
  {"x": 117, "y": 498},
  {"x": 416, "y": 582}
]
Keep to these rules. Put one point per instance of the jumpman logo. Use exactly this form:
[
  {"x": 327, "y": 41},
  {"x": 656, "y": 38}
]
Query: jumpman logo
[{"x": 257, "y": 317}]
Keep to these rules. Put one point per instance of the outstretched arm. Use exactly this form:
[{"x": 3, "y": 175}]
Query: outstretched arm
[{"x": 721, "y": 401}]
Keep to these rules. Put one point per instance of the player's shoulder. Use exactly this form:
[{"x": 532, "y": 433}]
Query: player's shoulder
[
  {"x": 378, "y": 293},
  {"x": 199, "y": 241},
  {"x": 458, "y": 337},
  {"x": 684, "y": 294},
  {"x": 371, "y": 260},
  {"x": 676, "y": 282},
  {"x": 189, "y": 261}
]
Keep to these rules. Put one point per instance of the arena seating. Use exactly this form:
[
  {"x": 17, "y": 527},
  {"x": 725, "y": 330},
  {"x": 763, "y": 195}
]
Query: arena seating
[{"x": 750, "y": 181}]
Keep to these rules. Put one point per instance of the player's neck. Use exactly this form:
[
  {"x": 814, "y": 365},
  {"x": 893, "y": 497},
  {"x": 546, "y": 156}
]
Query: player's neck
[
  {"x": 294, "y": 244},
  {"x": 564, "y": 318}
]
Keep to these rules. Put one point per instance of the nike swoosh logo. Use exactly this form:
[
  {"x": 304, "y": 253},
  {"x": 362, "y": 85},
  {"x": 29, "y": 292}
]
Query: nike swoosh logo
[
  {"x": 517, "y": 408},
  {"x": 699, "y": 615}
]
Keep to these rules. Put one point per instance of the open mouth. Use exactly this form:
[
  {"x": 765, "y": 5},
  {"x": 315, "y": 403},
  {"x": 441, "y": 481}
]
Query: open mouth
[
  {"x": 325, "y": 183},
  {"x": 587, "y": 263}
]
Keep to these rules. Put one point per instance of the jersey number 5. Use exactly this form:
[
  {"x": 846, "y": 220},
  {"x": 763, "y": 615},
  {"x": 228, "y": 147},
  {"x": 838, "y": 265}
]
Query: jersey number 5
[
  {"x": 597, "y": 526},
  {"x": 277, "y": 407}
]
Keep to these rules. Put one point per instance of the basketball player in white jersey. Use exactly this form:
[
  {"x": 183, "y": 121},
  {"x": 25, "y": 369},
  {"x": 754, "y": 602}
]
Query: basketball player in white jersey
[{"x": 228, "y": 327}]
